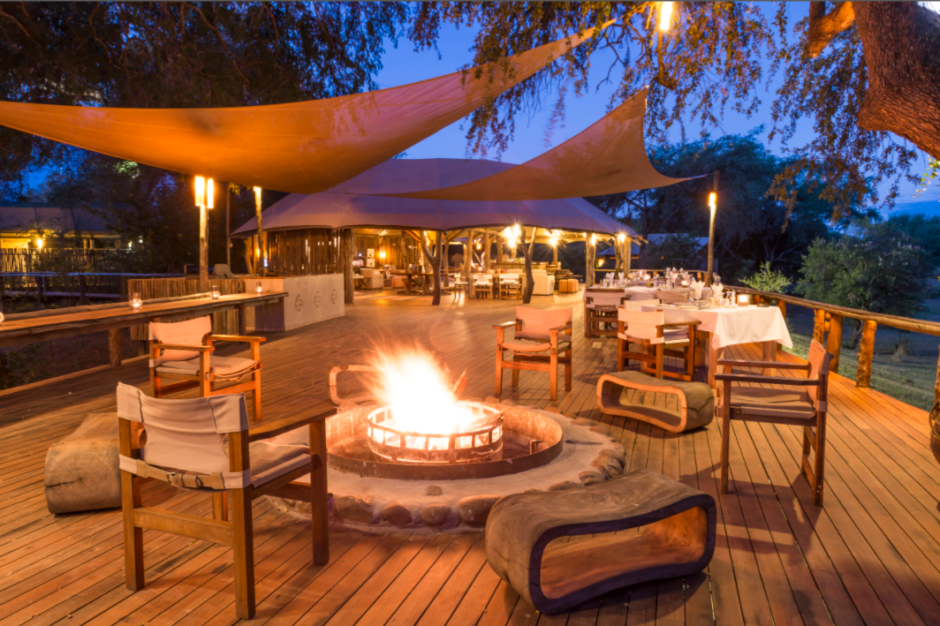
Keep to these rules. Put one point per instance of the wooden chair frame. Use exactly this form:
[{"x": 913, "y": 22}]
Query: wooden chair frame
[
  {"x": 593, "y": 318},
  {"x": 227, "y": 529},
  {"x": 652, "y": 359},
  {"x": 536, "y": 361},
  {"x": 204, "y": 379},
  {"x": 815, "y": 441},
  {"x": 513, "y": 289}
]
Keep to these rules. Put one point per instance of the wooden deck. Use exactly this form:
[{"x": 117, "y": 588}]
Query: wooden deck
[{"x": 872, "y": 555}]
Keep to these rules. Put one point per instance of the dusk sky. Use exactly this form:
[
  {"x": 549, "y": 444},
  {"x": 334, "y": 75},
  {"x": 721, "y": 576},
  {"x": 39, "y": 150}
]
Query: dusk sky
[{"x": 403, "y": 65}]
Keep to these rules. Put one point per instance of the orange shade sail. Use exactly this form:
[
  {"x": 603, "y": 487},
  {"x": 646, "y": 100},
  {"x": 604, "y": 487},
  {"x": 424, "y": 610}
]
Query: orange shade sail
[
  {"x": 303, "y": 147},
  {"x": 608, "y": 157}
]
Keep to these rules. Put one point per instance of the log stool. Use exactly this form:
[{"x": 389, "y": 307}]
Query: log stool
[
  {"x": 527, "y": 538},
  {"x": 619, "y": 393},
  {"x": 568, "y": 285},
  {"x": 82, "y": 470}
]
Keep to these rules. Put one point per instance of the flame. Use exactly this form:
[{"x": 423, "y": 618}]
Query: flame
[{"x": 416, "y": 389}]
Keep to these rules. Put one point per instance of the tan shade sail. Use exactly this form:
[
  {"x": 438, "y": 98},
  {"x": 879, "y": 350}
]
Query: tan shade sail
[
  {"x": 609, "y": 157},
  {"x": 337, "y": 208},
  {"x": 303, "y": 147}
]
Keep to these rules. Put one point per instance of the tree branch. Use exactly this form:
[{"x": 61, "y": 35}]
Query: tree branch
[{"x": 824, "y": 26}]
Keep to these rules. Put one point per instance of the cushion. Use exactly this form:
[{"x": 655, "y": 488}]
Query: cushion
[
  {"x": 222, "y": 366},
  {"x": 271, "y": 460},
  {"x": 782, "y": 402}
]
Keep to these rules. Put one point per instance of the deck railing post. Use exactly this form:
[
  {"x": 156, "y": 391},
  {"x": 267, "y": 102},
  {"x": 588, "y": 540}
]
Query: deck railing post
[
  {"x": 834, "y": 341},
  {"x": 114, "y": 346},
  {"x": 866, "y": 352},
  {"x": 819, "y": 325}
]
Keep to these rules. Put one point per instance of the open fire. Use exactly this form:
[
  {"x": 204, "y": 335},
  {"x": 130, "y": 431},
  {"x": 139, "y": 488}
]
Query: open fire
[{"x": 422, "y": 419}]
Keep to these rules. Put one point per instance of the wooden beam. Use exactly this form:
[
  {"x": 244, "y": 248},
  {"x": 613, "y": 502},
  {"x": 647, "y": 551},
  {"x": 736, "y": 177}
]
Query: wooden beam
[{"x": 866, "y": 352}]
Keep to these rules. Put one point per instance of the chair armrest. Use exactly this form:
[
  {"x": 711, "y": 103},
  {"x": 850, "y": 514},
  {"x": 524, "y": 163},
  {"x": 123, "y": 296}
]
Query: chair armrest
[
  {"x": 281, "y": 426},
  {"x": 689, "y": 323},
  {"x": 558, "y": 329},
  {"x": 241, "y": 338},
  {"x": 173, "y": 346},
  {"x": 505, "y": 325},
  {"x": 768, "y": 380},
  {"x": 775, "y": 364}
]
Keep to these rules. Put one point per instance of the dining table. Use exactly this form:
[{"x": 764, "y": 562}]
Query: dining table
[
  {"x": 416, "y": 281},
  {"x": 726, "y": 326}
]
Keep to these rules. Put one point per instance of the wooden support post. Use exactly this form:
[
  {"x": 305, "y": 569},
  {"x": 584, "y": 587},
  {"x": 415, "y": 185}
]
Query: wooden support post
[
  {"x": 228, "y": 228},
  {"x": 468, "y": 265},
  {"x": 81, "y": 288},
  {"x": 259, "y": 244},
  {"x": 203, "y": 250},
  {"x": 114, "y": 347},
  {"x": 783, "y": 308},
  {"x": 346, "y": 254},
  {"x": 834, "y": 341},
  {"x": 866, "y": 351},
  {"x": 819, "y": 326},
  {"x": 627, "y": 252},
  {"x": 589, "y": 254},
  {"x": 242, "y": 320}
]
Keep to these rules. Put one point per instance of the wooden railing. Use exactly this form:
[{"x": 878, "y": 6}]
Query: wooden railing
[
  {"x": 223, "y": 323},
  {"x": 828, "y": 323}
]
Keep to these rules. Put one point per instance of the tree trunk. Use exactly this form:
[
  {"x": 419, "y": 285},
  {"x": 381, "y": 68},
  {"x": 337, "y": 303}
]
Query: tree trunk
[
  {"x": 856, "y": 335},
  {"x": 901, "y": 41},
  {"x": 468, "y": 265},
  {"x": 589, "y": 250},
  {"x": 435, "y": 261},
  {"x": 228, "y": 228},
  {"x": 529, "y": 279}
]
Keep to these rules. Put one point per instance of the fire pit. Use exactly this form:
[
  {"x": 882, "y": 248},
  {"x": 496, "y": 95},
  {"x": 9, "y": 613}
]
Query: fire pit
[
  {"x": 410, "y": 454},
  {"x": 481, "y": 440}
]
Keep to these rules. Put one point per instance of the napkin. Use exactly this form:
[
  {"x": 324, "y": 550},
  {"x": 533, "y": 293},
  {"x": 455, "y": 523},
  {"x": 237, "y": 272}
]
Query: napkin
[
  {"x": 716, "y": 291},
  {"x": 697, "y": 287}
]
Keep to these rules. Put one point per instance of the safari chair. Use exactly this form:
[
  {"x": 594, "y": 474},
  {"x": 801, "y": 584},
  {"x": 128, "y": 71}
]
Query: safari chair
[
  {"x": 601, "y": 308},
  {"x": 541, "y": 343},
  {"x": 673, "y": 296},
  {"x": 482, "y": 285},
  {"x": 804, "y": 406},
  {"x": 509, "y": 285},
  {"x": 204, "y": 444},
  {"x": 182, "y": 351},
  {"x": 657, "y": 340}
]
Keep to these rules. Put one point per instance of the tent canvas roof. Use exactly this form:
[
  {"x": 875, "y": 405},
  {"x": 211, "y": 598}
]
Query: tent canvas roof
[{"x": 339, "y": 209}]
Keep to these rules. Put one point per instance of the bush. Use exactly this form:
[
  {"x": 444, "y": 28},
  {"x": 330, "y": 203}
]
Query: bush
[{"x": 767, "y": 280}]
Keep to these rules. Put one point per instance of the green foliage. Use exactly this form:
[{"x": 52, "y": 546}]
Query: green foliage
[
  {"x": 674, "y": 251},
  {"x": 769, "y": 280},
  {"x": 878, "y": 268},
  {"x": 925, "y": 231}
]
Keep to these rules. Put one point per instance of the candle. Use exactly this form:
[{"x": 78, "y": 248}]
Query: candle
[
  {"x": 744, "y": 299},
  {"x": 258, "y": 287},
  {"x": 685, "y": 283},
  {"x": 215, "y": 292},
  {"x": 1, "y": 317},
  {"x": 136, "y": 301}
]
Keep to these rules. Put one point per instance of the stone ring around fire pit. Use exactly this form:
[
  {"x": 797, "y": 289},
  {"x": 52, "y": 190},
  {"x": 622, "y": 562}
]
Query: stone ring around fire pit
[{"x": 540, "y": 451}]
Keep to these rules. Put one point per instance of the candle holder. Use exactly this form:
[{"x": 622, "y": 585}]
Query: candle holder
[
  {"x": 1, "y": 317},
  {"x": 215, "y": 293},
  {"x": 136, "y": 302},
  {"x": 258, "y": 287},
  {"x": 744, "y": 299}
]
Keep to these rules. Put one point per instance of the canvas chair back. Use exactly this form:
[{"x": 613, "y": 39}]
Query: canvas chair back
[
  {"x": 223, "y": 271},
  {"x": 188, "y": 435},
  {"x": 819, "y": 360},
  {"x": 672, "y": 296},
  {"x": 188, "y": 333},
  {"x": 483, "y": 279},
  {"x": 642, "y": 325},
  {"x": 604, "y": 298},
  {"x": 537, "y": 322}
]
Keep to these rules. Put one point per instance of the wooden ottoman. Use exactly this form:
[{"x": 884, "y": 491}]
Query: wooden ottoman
[
  {"x": 527, "y": 538},
  {"x": 82, "y": 470},
  {"x": 620, "y": 393}
]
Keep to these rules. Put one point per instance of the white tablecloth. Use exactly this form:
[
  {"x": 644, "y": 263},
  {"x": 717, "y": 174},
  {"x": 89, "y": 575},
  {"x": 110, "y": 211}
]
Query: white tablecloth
[{"x": 732, "y": 326}]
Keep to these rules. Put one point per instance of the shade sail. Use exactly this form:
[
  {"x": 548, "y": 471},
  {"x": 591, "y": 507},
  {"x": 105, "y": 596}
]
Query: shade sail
[
  {"x": 338, "y": 208},
  {"x": 608, "y": 157},
  {"x": 303, "y": 147}
]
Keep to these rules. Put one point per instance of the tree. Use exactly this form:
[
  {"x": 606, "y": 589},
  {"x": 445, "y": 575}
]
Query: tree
[
  {"x": 674, "y": 251},
  {"x": 865, "y": 74},
  {"x": 923, "y": 230},
  {"x": 751, "y": 226},
  {"x": 878, "y": 268},
  {"x": 181, "y": 55}
]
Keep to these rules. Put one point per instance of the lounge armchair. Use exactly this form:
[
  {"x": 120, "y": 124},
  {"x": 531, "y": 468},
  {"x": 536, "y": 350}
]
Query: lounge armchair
[
  {"x": 804, "y": 406},
  {"x": 183, "y": 352},
  {"x": 658, "y": 340},
  {"x": 542, "y": 342},
  {"x": 544, "y": 283},
  {"x": 204, "y": 444}
]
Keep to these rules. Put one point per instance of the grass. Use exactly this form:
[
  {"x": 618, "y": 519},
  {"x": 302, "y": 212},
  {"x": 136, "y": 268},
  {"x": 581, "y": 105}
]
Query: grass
[{"x": 904, "y": 365}]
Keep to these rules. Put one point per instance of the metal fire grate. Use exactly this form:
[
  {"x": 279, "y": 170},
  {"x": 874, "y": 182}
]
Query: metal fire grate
[{"x": 469, "y": 446}]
